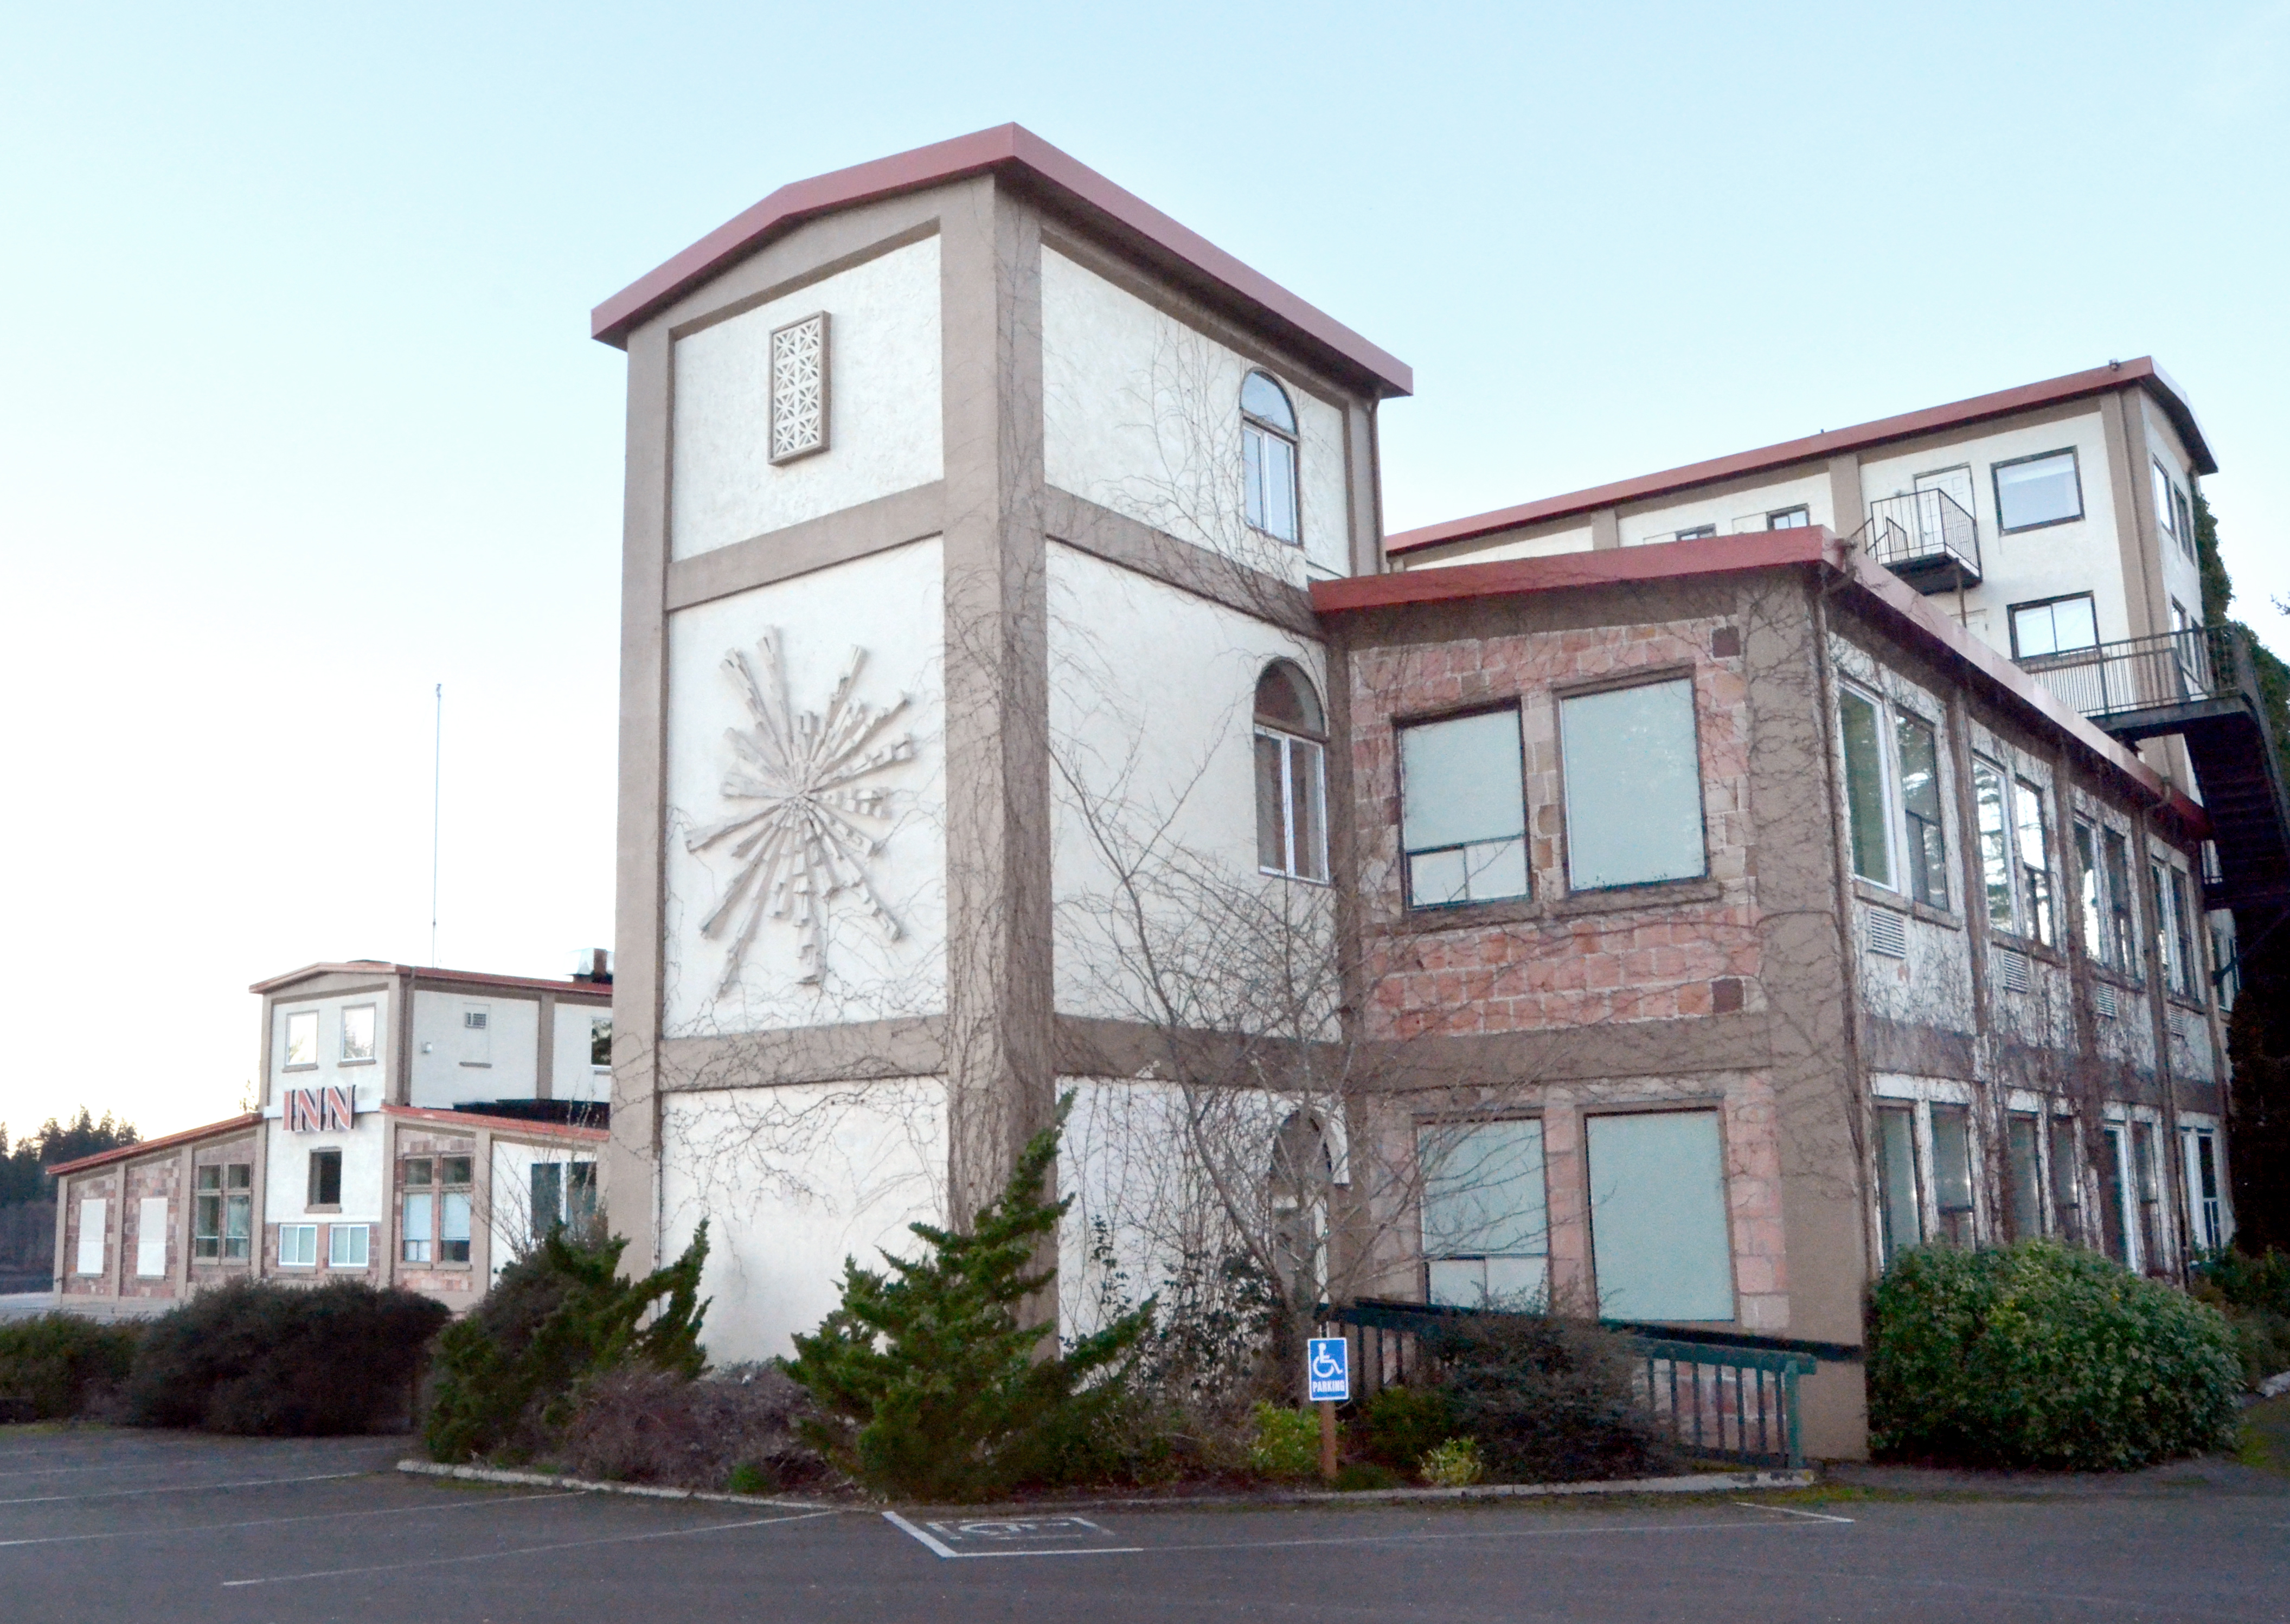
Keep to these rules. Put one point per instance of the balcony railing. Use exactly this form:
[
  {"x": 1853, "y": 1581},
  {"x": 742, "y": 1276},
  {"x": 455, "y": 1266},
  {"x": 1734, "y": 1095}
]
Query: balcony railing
[
  {"x": 1925, "y": 538},
  {"x": 2144, "y": 674}
]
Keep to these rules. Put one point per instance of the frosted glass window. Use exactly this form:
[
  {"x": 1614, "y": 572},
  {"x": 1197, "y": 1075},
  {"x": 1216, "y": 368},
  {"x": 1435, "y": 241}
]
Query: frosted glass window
[
  {"x": 1658, "y": 1231},
  {"x": 151, "y": 1236},
  {"x": 346, "y": 1245},
  {"x": 1462, "y": 810},
  {"x": 2037, "y": 490},
  {"x": 298, "y": 1245},
  {"x": 93, "y": 1214},
  {"x": 1633, "y": 774},
  {"x": 454, "y": 1227},
  {"x": 418, "y": 1230},
  {"x": 1486, "y": 1220},
  {"x": 1862, "y": 726}
]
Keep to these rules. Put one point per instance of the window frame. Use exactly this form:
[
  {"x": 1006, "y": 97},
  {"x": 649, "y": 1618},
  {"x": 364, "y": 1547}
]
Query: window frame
[
  {"x": 1996, "y": 489},
  {"x": 1409, "y": 855},
  {"x": 1254, "y": 485},
  {"x": 2011, "y": 612},
  {"x": 1797, "y": 517},
  {"x": 1290, "y": 741},
  {"x": 1461, "y": 1128},
  {"x": 2010, "y": 925},
  {"x": 1890, "y": 839},
  {"x": 2122, "y": 904},
  {"x": 372, "y": 1012},
  {"x": 308, "y": 1233},
  {"x": 334, "y": 1234},
  {"x": 2042, "y": 910},
  {"x": 604, "y": 1022},
  {"x": 1686, "y": 678},
  {"x": 1697, "y": 533},
  {"x": 286, "y": 1045}
]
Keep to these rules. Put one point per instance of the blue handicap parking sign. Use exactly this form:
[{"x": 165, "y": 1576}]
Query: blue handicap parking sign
[{"x": 1328, "y": 1369}]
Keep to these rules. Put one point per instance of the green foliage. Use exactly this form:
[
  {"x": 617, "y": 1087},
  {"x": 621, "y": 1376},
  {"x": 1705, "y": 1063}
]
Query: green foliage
[
  {"x": 2218, "y": 586},
  {"x": 56, "y": 1362},
  {"x": 1288, "y": 1446},
  {"x": 2040, "y": 1356},
  {"x": 1546, "y": 1398},
  {"x": 1354, "y": 1475},
  {"x": 1455, "y": 1464},
  {"x": 2253, "y": 1293},
  {"x": 284, "y": 1360},
  {"x": 513, "y": 1370},
  {"x": 1403, "y": 1424},
  {"x": 933, "y": 1385}
]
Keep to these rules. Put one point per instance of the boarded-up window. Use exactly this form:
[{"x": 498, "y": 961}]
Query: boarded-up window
[
  {"x": 1633, "y": 784},
  {"x": 1485, "y": 1222},
  {"x": 151, "y": 1236},
  {"x": 91, "y": 1220},
  {"x": 1658, "y": 1217}
]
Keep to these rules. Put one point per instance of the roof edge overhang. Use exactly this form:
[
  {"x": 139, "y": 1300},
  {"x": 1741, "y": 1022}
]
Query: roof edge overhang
[
  {"x": 432, "y": 976},
  {"x": 1008, "y": 149},
  {"x": 165, "y": 1141},
  {"x": 2098, "y": 380},
  {"x": 1873, "y": 589},
  {"x": 499, "y": 1124}
]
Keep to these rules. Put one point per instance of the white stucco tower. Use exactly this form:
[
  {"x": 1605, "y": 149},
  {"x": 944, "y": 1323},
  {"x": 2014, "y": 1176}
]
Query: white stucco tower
[{"x": 938, "y": 489}]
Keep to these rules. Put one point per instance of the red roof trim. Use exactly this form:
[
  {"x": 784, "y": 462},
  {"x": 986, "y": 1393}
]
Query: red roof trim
[
  {"x": 128, "y": 1153},
  {"x": 1004, "y": 148},
  {"x": 2096, "y": 381},
  {"x": 513, "y": 1125},
  {"x": 430, "y": 975},
  {"x": 1808, "y": 545}
]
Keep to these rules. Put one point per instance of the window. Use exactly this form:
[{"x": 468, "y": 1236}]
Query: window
[
  {"x": 2203, "y": 1190},
  {"x": 418, "y": 1225},
  {"x": 222, "y": 1213},
  {"x": 346, "y": 1245},
  {"x": 2167, "y": 512},
  {"x": 1928, "y": 854},
  {"x": 1658, "y": 1235},
  {"x": 1952, "y": 1155},
  {"x": 2225, "y": 956},
  {"x": 1789, "y": 519},
  {"x": 1633, "y": 786},
  {"x": 94, "y": 1216},
  {"x": 2123, "y": 938},
  {"x": 1698, "y": 533},
  {"x": 1995, "y": 844},
  {"x": 1898, "y": 1210},
  {"x": 564, "y": 1194},
  {"x": 2056, "y": 626},
  {"x": 302, "y": 1039},
  {"x": 325, "y": 1181},
  {"x": 2186, "y": 511},
  {"x": 1291, "y": 791},
  {"x": 2088, "y": 890},
  {"x": 1860, "y": 721},
  {"x": 2182, "y": 932},
  {"x": 1268, "y": 457},
  {"x": 357, "y": 1034},
  {"x": 298, "y": 1245},
  {"x": 2149, "y": 1189},
  {"x": 2032, "y": 491},
  {"x": 2166, "y": 946},
  {"x": 2025, "y": 1164},
  {"x": 151, "y": 1236},
  {"x": 1485, "y": 1224},
  {"x": 600, "y": 1041},
  {"x": 1462, "y": 810},
  {"x": 454, "y": 1209},
  {"x": 2067, "y": 1196},
  {"x": 2115, "y": 1234},
  {"x": 2035, "y": 843}
]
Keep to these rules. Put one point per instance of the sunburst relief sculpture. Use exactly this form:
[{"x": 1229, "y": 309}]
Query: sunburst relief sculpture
[{"x": 806, "y": 781}]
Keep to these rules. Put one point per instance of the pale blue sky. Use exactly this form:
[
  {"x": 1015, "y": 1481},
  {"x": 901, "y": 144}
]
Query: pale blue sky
[{"x": 298, "y": 416}]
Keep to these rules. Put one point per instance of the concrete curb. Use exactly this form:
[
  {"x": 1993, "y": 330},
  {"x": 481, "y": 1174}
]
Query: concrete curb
[
  {"x": 1700, "y": 1483},
  {"x": 550, "y": 1480}
]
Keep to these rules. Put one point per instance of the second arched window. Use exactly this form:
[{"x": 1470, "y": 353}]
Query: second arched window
[
  {"x": 1268, "y": 457},
  {"x": 1292, "y": 793}
]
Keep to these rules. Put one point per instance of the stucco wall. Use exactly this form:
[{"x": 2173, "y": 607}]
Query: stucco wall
[
  {"x": 570, "y": 1076},
  {"x": 369, "y": 1079},
  {"x": 1141, "y": 413},
  {"x": 364, "y": 1180},
  {"x": 885, "y": 432},
  {"x": 793, "y": 1180},
  {"x": 453, "y": 1062},
  {"x": 890, "y": 606}
]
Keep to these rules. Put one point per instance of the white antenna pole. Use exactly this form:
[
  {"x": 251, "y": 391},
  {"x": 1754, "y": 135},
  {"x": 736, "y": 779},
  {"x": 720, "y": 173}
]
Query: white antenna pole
[{"x": 437, "y": 782}]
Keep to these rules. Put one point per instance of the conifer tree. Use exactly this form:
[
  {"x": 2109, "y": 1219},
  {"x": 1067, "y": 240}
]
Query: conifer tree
[{"x": 933, "y": 1385}]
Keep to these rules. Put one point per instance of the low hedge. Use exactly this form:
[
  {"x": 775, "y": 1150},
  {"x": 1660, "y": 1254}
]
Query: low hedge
[
  {"x": 257, "y": 1356},
  {"x": 56, "y": 1365},
  {"x": 2041, "y": 1356}
]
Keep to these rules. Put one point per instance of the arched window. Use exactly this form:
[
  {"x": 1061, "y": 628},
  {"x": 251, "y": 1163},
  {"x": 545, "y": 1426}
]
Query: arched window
[
  {"x": 1291, "y": 791},
  {"x": 1299, "y": 1176},
  {"x": 1268, "y": 457}
]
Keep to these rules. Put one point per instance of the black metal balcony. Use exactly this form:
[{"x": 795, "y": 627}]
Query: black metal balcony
[
  {"x": 1925, "y": 538},
  {"x": 2200, "y": 684}
]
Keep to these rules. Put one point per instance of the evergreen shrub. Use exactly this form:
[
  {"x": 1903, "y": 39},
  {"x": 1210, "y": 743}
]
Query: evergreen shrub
[
  {"x": 1545, "y": 1398},
  {"x": 58, "y": 1366},
  {"x": 2039, "y": 1354},
  {"x": 284, "y": 1360},
  {"x": 1402, "y": 1424},
  {"x": 2253, "y": 1293},
  {"x": 1288, "y": 1446}
]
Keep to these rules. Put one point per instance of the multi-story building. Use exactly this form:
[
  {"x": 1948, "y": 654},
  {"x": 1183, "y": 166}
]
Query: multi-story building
[
  {"x": 416, "y": 1127},
  {"x": 1726, "y": 901}
]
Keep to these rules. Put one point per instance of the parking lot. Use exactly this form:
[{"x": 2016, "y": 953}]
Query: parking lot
[{"x": 111, "y": 1524}]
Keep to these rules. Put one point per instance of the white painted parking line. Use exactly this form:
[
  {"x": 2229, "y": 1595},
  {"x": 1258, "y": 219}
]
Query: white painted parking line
[
  {"x": 522, "y": 1551},
  {"x": 985, "y": 1537},
  {"x": 1818, "y": 1516},
  {"x": 187, "y": 1488},
  {"x": 273, "y": 1522}
]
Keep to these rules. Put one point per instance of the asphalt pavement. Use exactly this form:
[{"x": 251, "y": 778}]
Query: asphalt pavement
[{"x": 113, "y": 1524}]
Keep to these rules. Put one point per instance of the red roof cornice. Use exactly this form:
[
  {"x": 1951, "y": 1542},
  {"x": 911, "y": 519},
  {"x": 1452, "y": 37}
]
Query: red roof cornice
[
  {"x": 2098, "y": 380},
  {"x": 1878, "y": 589},
  {"x": 128, "y": 1153},
  {"x": 499, "y": 1124},
  {"x": 430, "y": 976},
  {"x": 1005, "y": 149}
]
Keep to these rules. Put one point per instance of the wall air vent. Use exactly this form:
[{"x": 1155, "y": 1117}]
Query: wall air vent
[
  {"x": 2012, "y": 969},
  {"x": 2102, "y": 1000},
  {"x": 1888, "y": 933}
]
